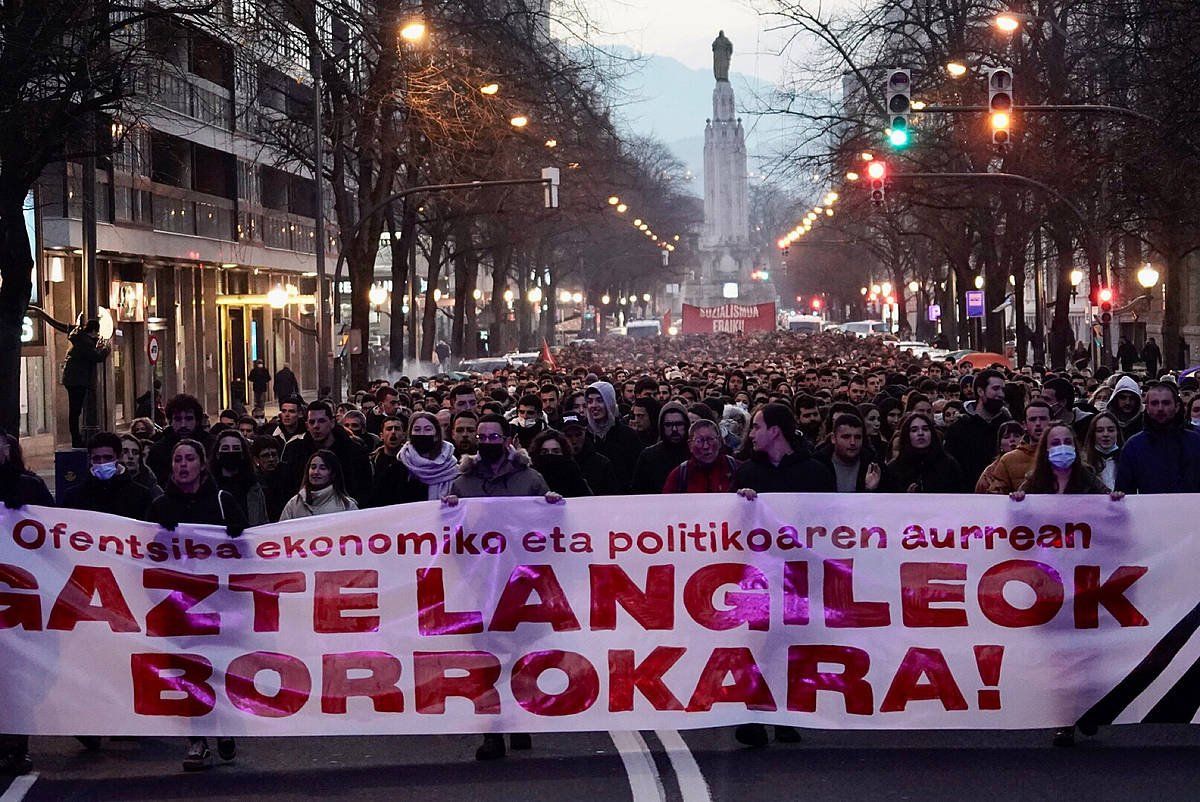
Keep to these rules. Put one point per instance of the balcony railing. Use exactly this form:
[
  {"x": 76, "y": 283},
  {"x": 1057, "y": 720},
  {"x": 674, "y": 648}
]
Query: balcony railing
[
  {"x": 184, "y": 94},
  {"x": 182, "y": 211}
]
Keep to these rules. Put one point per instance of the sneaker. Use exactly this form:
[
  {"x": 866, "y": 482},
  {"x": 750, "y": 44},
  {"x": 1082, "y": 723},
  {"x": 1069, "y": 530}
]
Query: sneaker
[
  {"x": 751, "y": 734},
  {"x": 198, "y": 757},
  {"x": 226, "y": 748},
  {"x": 492, "y": 747},
  {"x": 787, "y": 735},
  {"x": 520, "y": 741},
  {"x": 14, "y": 764}
]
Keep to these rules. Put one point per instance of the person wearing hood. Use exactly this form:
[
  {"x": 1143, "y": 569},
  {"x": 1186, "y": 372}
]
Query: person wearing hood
[
  {"x": 552, "y": 458},
  {"x": 735, "y": 422},
  {"x": 613, "y": 438},
  {"x": 323, "y": 491},
  {"x": 656, "y": 462},
  {"x": 108, "y": 487},
  {"x": 323, "y": 432},
  {"x": 191, "y": 496},
  {"x": 1165, "y": 456},
  {"x": 423, "y": 470},
  {"x": 498, "y": 470},
  {"x": 597, "y": 469},
  {"x": 232, "y": 468},
  {"x": 971, "y": 439},
  {"x": 1126, "y": 405}
]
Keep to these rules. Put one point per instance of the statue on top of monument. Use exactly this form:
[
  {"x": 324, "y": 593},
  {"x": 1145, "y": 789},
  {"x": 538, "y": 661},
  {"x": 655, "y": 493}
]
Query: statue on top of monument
[{"x": 722, "y": 53}]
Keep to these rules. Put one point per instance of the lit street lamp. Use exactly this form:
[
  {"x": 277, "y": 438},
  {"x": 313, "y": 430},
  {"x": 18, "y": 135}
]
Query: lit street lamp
[
  {"x": 956, "y": 69},
  {"x": 519, "y": 121},
  {"x": 377, "y": 295},
  {"x": 1147, "y": 276},
  {"x": 413, "y": 31}
]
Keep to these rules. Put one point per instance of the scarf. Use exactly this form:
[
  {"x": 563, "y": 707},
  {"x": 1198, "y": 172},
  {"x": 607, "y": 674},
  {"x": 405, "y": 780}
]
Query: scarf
[{"x": 438, "y": 473}]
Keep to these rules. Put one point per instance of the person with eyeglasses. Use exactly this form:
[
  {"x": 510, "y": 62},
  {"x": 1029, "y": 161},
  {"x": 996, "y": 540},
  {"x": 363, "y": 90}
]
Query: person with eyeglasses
[
  {"x": 656, "y": 462},
  {"x": 706, "y": 470}
]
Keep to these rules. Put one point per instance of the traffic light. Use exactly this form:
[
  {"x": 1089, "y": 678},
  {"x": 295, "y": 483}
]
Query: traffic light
[
  {"x": 1105, "y": 296},
  {"x": 899, "y": 104},
  {"x": 1000, "y": 104},
  {"x": 877, "y": 173},
  {"x": 816, "y": 304}
]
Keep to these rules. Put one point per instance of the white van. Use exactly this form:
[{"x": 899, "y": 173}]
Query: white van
[
  {"x": 643, "y": 328},
  {"x": 805, "y": 324},
  {"x": 866, "y": 328}
]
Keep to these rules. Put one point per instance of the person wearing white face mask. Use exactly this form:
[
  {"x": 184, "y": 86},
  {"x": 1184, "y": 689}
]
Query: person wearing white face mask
[
  {"x": 1057, "y": 469},
  {"x": 108, "y": 486},
  {"x": 1102, "y": 447}
]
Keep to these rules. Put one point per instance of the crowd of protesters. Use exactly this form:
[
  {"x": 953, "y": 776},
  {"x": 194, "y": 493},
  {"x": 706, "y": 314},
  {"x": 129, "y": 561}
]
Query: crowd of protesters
[{"x": 776, "y": 412}]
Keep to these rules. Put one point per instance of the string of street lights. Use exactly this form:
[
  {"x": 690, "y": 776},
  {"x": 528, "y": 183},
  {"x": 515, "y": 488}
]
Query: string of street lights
[
  {"x": 825, "y": 208},
  {"x": 641, "y": 225}
]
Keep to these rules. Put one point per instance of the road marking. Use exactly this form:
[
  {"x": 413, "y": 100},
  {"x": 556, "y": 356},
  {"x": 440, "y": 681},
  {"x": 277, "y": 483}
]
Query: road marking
[
  {"x": 692, "y": 785},
  {"x": 644, "y": 781},
  {"x": 19, "y": 787}
]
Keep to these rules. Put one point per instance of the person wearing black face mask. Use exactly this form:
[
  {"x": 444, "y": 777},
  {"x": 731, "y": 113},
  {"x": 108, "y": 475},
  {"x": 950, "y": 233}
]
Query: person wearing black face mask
[
  {"x": 232, "y": 469},
  {"x": 423, "y": 469},
  {"x": 551, "y": 455}
]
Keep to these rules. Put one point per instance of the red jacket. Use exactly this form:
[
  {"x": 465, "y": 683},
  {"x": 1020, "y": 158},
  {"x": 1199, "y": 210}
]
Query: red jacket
[{"x": 694, "y": 477}]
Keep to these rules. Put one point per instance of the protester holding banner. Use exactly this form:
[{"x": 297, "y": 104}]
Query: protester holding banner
[
  {"x": 108, "y": 487},
  {"x": 191, "y": 496},
  {"x": 596, "y": 468},
  {"x": 552, "y": 458},
  {"x": 1165, "y": 456},
  {"x": 184, "y": 416},
  {"x": 778, "y": 463},
  {"x": 1102, "y": 448},
  {"x": 655, "y": 462},
  {"x": 707, "y": 469},
  {"x": 1010, "y": 470}
]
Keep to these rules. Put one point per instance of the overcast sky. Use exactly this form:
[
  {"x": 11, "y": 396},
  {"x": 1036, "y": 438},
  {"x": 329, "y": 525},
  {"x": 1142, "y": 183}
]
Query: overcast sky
[{"x": 684, "y": 30}]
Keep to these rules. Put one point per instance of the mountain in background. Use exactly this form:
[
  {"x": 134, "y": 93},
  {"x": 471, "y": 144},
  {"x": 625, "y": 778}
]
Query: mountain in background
[{"x": 670, "y": 101}]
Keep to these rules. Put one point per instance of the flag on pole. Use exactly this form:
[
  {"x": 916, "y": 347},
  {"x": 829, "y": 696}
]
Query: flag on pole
[{"x": 548, "y": 357}]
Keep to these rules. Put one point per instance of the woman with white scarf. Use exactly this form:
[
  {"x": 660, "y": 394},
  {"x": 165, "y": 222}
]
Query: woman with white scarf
[
  {"x": 323, "y": 490},
  {"x": 429, "y": 459}
]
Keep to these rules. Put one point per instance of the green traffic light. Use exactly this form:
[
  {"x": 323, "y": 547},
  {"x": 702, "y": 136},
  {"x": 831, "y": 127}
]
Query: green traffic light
[{"x": 898, "y": 138}]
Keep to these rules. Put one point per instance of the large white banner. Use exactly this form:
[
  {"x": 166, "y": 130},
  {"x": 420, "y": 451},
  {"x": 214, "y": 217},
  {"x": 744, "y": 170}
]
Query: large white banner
[{"x": 863, "y": 611}]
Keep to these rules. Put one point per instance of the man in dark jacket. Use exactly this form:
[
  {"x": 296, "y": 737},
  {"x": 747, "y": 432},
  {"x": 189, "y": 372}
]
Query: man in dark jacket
[
  {"x": 1126, "y": 406},
  {"x": 613, "y": 438},
  {"x": 779, "y": 465},
  {"x": 971, "y": 439},
  {"x": 259, "y": 378},
  {"x": 597, "y": 469},
  {"x": 108, "y": 488},
  {"x": 1152, "y": 356},
  {"x": 184, "y": 414},
  {"x": 286, "y": 385},
  {"x": 656, "y": 462},
  {"x": 845, "y": 455},
  {"x": 323, "y": 432},
  {"x": 1165, "y": 456},
  {"x": 1127, "y": 354},
  {"x": 79, "y": 372}
]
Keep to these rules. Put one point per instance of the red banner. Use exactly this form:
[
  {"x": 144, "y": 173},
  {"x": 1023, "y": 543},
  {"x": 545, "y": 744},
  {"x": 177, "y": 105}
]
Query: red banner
[{"x": 728, "y": 318}]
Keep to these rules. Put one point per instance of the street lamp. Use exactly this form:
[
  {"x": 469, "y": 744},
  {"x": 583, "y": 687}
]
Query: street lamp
[
  {"x": 577, "y": 297},
  {"x": 490, "y": 89},
  {"x": 277, "y": 297},
  {"x": 1147, "y": 276},
  {"x": 851, "y": 176},
  {"x": 913, "y": 286},
  {"x": 979, "y": 282},
  {"x": 604, "y": 299},
  {"x": 886, "y": 288},
  {"x": 519, "y": 121},
  {"x": 613, "y": 200},
  {"x": 509, "y": 295},
  {"x": 377, "y": 295},
  {"x": 534, "y": 295},
  {"x": 1076, "y": 277},
  {"x": 1008, "y": 22},
  {"x": 413, "y": 31},
  {"x": 477, "y": 294},
  {"x": 956, "y": 69},
  {"x": 552, "y": 143}
]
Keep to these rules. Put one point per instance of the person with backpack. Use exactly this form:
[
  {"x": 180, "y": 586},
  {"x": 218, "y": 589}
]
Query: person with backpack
[{"x": 707, "y": 469}]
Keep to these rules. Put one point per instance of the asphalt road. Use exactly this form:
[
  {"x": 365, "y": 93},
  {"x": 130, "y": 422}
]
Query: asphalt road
[{"x": 1148, "y": 762}]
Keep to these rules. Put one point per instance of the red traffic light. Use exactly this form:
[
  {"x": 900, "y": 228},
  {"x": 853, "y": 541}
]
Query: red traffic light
[
  {"x": 1105, "y": 295},
  {"x": 876, "y": 169},
  {"x": 816, "y": 303}
]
